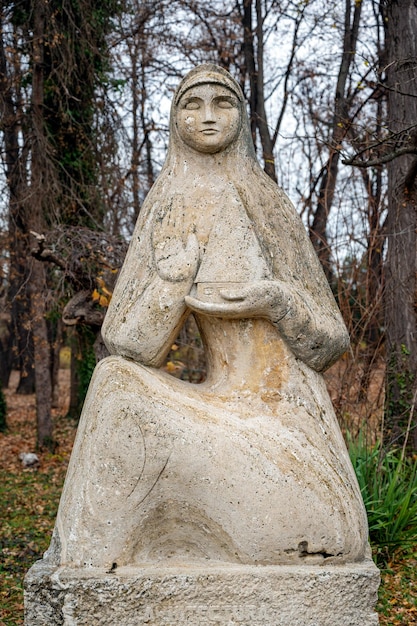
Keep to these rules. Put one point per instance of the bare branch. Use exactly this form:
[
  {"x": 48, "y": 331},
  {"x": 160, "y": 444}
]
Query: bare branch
[
  {"x": 382, "y": 160},
  {"x": 45, "y": 254}
]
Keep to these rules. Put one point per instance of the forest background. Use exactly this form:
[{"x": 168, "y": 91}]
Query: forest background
[
  {"x": 332, "y": 96},
  {"x": 331, "y": 90}
]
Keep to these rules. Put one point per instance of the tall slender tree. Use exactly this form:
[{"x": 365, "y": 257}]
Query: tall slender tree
[
  {"x": 339, "y": 126},
  {"x": 400, "y": 17},
  {"x": 16, "y": 155}
]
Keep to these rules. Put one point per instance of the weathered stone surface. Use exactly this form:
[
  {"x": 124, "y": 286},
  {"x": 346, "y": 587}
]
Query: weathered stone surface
[
  {"x": 162, "y": 469},
  {"x": 203, "y": 596},
  {"x": 248, "y": 469}
]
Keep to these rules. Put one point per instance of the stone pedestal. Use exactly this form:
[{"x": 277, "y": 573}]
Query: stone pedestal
[{"x": 219, "y": 595}]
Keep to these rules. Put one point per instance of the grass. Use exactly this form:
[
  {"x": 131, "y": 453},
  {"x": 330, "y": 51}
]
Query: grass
[
  {"x": 28, "y": 505},
  {"x": 388, "y": 482},
  {"x": 28, "y": 498}
]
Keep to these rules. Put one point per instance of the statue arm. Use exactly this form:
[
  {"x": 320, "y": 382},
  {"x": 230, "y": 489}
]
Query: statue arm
[
  {"x": 313, "y": 325},
  {"x": 316, "y": 334},
  {"x": 314, "y": 331},
  {"x": 148, "y": 307},
  {"x": 143, "y": 329}
]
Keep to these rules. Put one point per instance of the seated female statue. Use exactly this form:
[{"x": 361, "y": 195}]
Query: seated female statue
[{"x": 249, "y": 466}]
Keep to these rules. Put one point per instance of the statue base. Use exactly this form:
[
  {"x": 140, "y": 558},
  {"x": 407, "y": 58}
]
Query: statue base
[{"x": 338, "y": 595}]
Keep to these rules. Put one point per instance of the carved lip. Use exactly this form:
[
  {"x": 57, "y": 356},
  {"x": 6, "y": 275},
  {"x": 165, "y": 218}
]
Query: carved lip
[{"x": 209, "y": 131}]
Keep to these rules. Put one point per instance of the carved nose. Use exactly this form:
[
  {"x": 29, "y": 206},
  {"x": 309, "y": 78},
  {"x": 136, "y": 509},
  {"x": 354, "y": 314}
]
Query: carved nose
[{"x": 208, "y": 114}]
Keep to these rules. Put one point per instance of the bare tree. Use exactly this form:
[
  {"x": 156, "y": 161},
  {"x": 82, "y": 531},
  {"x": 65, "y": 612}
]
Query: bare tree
[
  {"x": 15, "y": 162},
  {"x": 401, "y": 262},
  {"x": 39, "y": 170},
  {"x": 340, "y": 122},
  {"x": 52, "y": 57}
]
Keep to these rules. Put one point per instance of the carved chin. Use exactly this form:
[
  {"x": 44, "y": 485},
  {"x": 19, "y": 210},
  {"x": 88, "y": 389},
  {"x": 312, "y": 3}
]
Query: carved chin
[{"x": 206, "y": 144}]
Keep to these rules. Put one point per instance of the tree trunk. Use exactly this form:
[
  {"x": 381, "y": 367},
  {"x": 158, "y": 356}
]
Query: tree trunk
[
  {"x": 339, "y": 128},
  {"x": 250, "y": 68},
  {"x": 5, "y": 349},
  {"x": 261, "y": 118},
  {"x": 15, "y": 162},
  {"x": 42, "y": 349},
  {"x": 400, "y": 269},
  {"x": 254, "y": 65},
  {"x": 21, "y": 314},
  {"x": 43, "y": 382},
  {"x": 56, "y": 341}
]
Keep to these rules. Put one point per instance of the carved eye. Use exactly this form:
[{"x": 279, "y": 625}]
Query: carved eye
[
  {"x": 225, "y": 104},
  {"x": 191, "y": 105}
]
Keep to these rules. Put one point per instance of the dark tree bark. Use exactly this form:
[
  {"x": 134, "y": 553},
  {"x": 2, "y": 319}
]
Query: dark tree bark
[
  {"x": 18, "y": 296},
  {"x": 254, "y": 62},
  {"x": 42, "y": 348},
  {"x": 5, "y": 348},
  {"x": 401, "y": 267},
  {"x": 374, "y": 280}
]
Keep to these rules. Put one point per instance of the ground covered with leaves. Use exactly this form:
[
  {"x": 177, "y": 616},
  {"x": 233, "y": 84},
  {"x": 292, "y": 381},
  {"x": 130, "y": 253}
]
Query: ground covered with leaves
[
  {"x": 29, "y": 497},
  {"x": 29, "y": 500}
]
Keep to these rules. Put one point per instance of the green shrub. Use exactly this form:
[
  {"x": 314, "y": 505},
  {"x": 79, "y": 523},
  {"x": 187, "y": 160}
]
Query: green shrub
[{"x": 388, "y": 483}]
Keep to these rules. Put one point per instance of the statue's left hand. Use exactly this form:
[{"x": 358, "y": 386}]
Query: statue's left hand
[{"x": 264, "y": 298}]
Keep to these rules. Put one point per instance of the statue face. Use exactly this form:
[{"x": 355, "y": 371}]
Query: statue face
[{"x": 208, "y": 118}]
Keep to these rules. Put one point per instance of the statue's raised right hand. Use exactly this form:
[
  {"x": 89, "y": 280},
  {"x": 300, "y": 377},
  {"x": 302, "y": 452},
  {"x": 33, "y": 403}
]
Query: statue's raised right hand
[{"x": 176, "y": 262}]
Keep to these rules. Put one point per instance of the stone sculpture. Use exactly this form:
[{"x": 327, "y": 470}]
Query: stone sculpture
[{"x": 248, "y": 468}]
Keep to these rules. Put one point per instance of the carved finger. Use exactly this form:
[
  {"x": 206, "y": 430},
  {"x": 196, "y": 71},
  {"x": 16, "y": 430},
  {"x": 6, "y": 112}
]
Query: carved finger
[{"x": 235, "y": 296}]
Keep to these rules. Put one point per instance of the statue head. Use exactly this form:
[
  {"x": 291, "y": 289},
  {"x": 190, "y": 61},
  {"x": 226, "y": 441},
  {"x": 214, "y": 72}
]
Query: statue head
[
  {"x": 208, "y": 110},
  {"x": 208, "y": 118}
]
